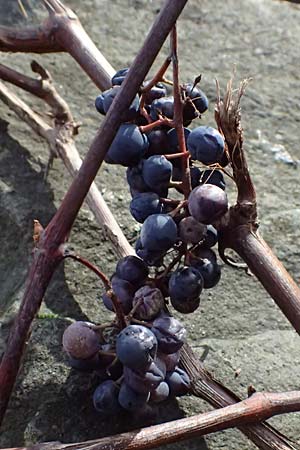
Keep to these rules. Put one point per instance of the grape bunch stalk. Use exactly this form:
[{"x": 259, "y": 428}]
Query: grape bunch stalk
[{"x": 177, "y": 203}]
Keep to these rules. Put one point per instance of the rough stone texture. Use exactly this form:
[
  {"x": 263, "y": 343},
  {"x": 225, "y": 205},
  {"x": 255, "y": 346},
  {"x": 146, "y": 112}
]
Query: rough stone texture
[{"x": 238, "y": 323}]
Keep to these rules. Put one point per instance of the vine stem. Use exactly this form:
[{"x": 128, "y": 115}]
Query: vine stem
[
  {"x": 46, "y": 258},
  {"x": 178, "y": 117},
  {"x": 89, "y": 265}
]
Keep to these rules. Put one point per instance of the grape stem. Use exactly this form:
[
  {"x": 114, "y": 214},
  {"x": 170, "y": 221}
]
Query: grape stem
[
  {"x": 89, "y": 265},
  {"x": 178, "y": 116}
]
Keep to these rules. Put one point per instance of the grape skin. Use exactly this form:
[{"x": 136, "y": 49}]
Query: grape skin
[
  {"x": 130, "y": 399},
  {"x": 80, "y": 340},
  {"x": 178, "y": 382},
  {"x": 207, "y": 203},
  {"x": 157, "y": 171},
  {"x": 143, "y": 381},
  {"x": 206, "y": 145},
  {"x": 185, "y": 283},
  {"x": 150, "y": 301},
  {"x": 128, "y": 146},
  {"x": 144, "y": 204},
  {"x": 161, "y": 393},
  {"x": 105, "y": 398},
  {"x": 132, "y": 269},
  {"x": 170, "y": 334},
  {"x": 159, "y": 232},
  {"x": 136, "y": 346}
]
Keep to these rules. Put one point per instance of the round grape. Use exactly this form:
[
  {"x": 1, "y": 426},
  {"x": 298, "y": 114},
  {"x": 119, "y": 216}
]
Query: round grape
[
  {"x": 206, "y": 145},
  {"x": 105, "y": 398},
  {"x": 80, "y": 340},
  {"x": 136, "y": 346},
  {"x": 207, "y": 203},
  {"x": 158, "y": 233}
]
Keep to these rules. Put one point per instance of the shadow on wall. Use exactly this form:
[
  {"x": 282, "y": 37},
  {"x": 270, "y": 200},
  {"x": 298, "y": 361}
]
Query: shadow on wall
[{"x": 25, "y": 196}]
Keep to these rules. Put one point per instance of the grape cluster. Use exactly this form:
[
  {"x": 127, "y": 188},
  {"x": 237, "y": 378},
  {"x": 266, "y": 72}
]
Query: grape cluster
[
  {"x": 139, "y": 362},
  {"x": 169, "y": 230}
]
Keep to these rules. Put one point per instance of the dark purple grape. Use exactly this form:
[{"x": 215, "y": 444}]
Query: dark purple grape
[
  {"x": 157, "y": 172},
  {"x": 130, "y": 399},
  {"x": 84, "y": 365},
  {"x": 156, "y": 92},
  {"x": 158, "y": 142},
  {"x": 132, "y": 269},
  {"x": 136, "y": 346},
  {"x": 105, "y": 398},
  {"x": 173, "y": 139},
  {"x": 207, "y": 203},
  {"x": 124, "y": 291},
  {"x": 150, "y": 300},
  {"x": 80, "y": 340},
  {"x": 144, "y": 204},
  {"x": 195, "y": 176},
  {"x": 158, "y": 233},
  {"x": 185, "y": 283},
  {"x": 143, "y": 381},
  {"x": 163, "y": 106},
  {"x": 135, "y": 178},
  {"x": 210, "y": 271},
  {"x": 107, "y": 301},
  {"x": 199, "y": 103},
  {"x": 171, "y": 360},
  {"x": 107, "y": 99},
  {"x": 128, "y": 146},
  {"x": 203, "y": 252},
  {"x": 99, "y": 104},
  {"x": 170, "y": 334},
  {"x": 185, "y": 305},
  {"x": 213, "y": 177},
  {"x": 179, "y": 382},
  {"x": 161, "y": 393},
  {"x": 206, "y": 145},
  {"x": 211, "y": 237},
  {"x": 191, "y": 231},
  {"x": 119, "y": 76},
  {"x": 151, "y": 258}
]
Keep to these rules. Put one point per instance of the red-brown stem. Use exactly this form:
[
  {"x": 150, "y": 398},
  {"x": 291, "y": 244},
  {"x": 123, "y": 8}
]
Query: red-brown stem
[
  {"x": 178, "y": 155},
  {"x": 169, "y": 201},
  {"x": 157, "y": 123},
  {"x": 158, "y": 76},
  {"x": 269, "y": 270},
  {"x": 90, "y": 266},
  {"x": 259, "y": 406},
  {"x": 178, "y": 119},
  {"x": 55, "y": 234},
  {"x": 121, "y": 318}
]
